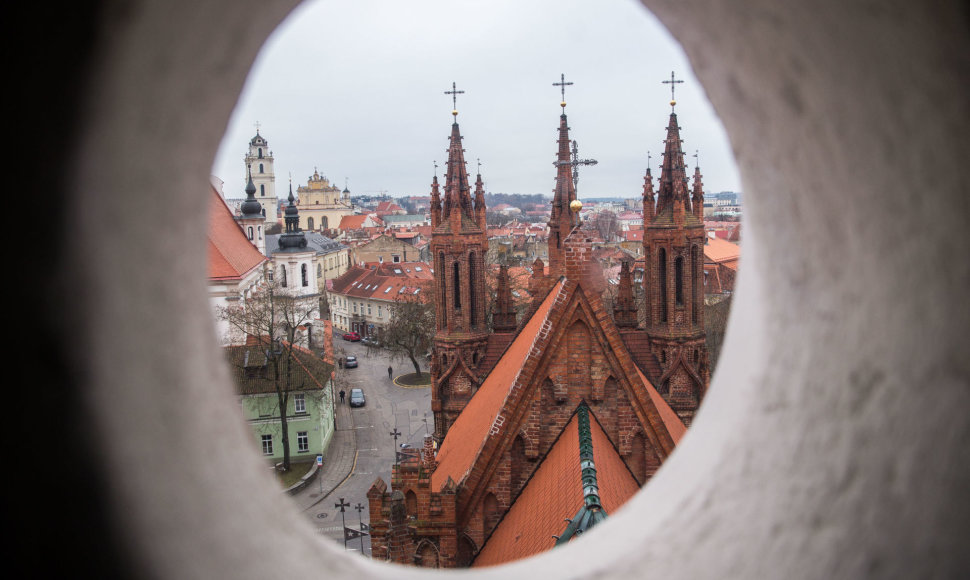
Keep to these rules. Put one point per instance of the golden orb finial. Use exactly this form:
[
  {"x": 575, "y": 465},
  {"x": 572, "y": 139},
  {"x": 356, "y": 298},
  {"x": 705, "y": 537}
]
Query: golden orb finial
[
  {"x": 672, "y": 102},
  {"x": 454, "y": 112},
  {"x": 575, "y": 205},
  {"x": 563, "y": 104}
]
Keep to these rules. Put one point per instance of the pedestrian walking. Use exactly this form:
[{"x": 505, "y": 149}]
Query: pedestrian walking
[
  {"x": 390, "y": 372},
  {"x": 342, "y": 395},
  {"x": 340, "y": 362}
]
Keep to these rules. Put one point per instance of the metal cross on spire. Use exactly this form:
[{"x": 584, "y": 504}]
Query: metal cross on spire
[
  {"x": 562, "y": 85},
  {"x": 576, "y": 162},
  {"x": 673, "y": 83},
  {"x": 454, "y": 92},
  {"x": 341, "y": 505},
  {"x": 257, "y": 127},
  {"x": 479, "y": 161},
  {"x": 435, "y": 167},
  {"x": 648, "y": 159},
  {"x": 697, "y": 161}
]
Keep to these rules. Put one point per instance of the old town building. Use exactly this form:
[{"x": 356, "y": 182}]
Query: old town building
[{"x": 545, "y": 425}]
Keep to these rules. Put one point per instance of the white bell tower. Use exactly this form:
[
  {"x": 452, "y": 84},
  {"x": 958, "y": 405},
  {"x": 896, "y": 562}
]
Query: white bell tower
[{"x": 260, "y": 159}]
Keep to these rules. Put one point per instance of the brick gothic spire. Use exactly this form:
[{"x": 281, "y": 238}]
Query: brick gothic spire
[
  {"x": 480, "y": 201},
  {"x": 458, "y": 248},
  {"x": 563, "y": 220},
  {"x": 697, "y": 197},
  {"x": 435, "y": 203},
  {"x": 673, "y": 246},
  {"x": 503, "y": 318},
  {"x": 649, "y": 199},
  {"x": 624, "y": 308},
  {"x": 457, "y": 192},
  {"x": 672, "y": 198}
]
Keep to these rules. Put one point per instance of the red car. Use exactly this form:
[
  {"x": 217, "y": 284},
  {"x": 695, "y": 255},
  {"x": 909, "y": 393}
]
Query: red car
[{"x": 352, "y": 337}]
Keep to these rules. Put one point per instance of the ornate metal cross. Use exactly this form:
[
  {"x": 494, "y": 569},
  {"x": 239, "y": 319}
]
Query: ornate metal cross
[
  {"x": 562, "y": 85},
  {"x": 257, "y": 127},
  {"x": 576, "y": 162},
  {"x": 342, "y": 504},
  {"x": 454, "y": 92},
  {"x": 673, "y": 83}
]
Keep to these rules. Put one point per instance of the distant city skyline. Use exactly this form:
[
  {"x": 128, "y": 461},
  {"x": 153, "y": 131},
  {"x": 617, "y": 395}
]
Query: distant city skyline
[{"x": 356, "y": 90}]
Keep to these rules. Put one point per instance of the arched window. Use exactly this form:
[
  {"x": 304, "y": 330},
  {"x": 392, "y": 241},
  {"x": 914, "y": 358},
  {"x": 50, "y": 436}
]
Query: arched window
[
  {"x": 283, "y": 276},
  {"x": 695, "y": 284},
  {"x": 441, "y": 269},
  {"x": 457, "y": 285},
  {"x": 662, "y": 278},
  {"x": 472, "y": 297},
  {"x": 303, "y": 276},
  {"x": 259, "y": 232},
  {"x": 679, "y": 280},
  {"x": 324, "y": 223},
  {"x": 309, "y": 223},
  {"x": 260, "y": 154},
  {"x": 250, "y": 233},
  {"x": 260, "y": 167},
  {"x": 262, "y": 189},
  {"x": 319, "y": 270}
]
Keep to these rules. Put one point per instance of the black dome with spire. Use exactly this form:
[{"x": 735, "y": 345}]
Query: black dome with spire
[{"x": 251, "y": 208}]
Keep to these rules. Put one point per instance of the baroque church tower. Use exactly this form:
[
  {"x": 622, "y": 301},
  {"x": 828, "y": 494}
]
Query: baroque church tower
[
  {"x": 252, "y": 218},
  {"x": 673, "y": 245},
  {"x": 260, "y": 159},
  {"x": 458, "y": 248}
]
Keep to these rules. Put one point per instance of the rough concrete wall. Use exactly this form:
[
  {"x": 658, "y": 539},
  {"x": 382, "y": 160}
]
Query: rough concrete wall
[{"x": 833, "y": 439}]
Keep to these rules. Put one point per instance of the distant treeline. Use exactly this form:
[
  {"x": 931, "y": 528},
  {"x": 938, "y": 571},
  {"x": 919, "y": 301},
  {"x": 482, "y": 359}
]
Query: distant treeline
[{"x": 519, "y": 200}]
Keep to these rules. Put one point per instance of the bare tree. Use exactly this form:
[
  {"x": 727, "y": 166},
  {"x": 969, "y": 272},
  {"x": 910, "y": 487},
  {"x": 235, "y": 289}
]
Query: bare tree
[
  {"x": 410, "y": 332},
  {"x": 607, "y": 225},
  {"x": 276, "y": 320}
]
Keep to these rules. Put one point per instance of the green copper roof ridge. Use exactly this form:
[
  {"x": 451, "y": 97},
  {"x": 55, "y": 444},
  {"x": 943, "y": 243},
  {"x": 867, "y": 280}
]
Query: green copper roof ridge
[{"x": 591, "y": 512}]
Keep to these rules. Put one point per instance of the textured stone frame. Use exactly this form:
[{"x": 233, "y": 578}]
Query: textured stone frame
[{"x": 833, "y": 440}]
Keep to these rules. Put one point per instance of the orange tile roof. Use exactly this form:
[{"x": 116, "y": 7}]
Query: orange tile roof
[
  {"x": 470, "y": 431},
  {"x": 231, "y": 254},
  {"x": 554, "y": 493},
  {"x": 670, "y": 419},
  {"x": 718, "y": 250}
]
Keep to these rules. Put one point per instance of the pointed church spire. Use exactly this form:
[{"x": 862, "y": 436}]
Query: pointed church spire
[
  {"x": 673, "y": 174},
  {"x": 624, "y": 308},
  {"x": 480, "y": 198},
  {"x": 293, "y": 236},
  {"x": 697, "y": 199},
  {"x": 503, "y": 319},
  {"x": 563, "y": 220},
  {"x": 251, "y": 208},
  {"x": 649, "y": 200},
  {"x": 457, "y": 191},
  {"x": 435, "y": 199}
]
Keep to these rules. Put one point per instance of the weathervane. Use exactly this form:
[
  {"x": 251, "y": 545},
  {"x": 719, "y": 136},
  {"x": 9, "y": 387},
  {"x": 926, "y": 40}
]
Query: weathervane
[
  {"x": 648, "y": 160},
  {"x": 479, "y": 161},
  {"x": 672, "y": 82},
  {"x": 454, "y": 92},
  {"x": 435, "y": 167},
  {"x": 562, "y": 85}
]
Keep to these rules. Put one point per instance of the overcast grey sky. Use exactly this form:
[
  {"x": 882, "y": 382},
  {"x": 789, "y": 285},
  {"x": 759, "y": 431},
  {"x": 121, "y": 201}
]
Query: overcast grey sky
[{"x": 356, "y": 89}]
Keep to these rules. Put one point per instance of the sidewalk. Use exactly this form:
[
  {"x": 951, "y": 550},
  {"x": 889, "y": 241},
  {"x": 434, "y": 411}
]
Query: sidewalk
[{"x": 338, "y": 461}]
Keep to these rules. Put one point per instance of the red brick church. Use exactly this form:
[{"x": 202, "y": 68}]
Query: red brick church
[{"x": 546, "y": 425}]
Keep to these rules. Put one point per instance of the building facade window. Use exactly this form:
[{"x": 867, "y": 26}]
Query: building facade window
[
  {"x": 267, "y": 441},
  {"x": 250, "y": 233},
  {"x": 283, "y": 276},
  {"x": 304, "y": 279},
  {"x": 262, "y": 190},
  {"x": 299, "y": 402},
  {"x": 309, "y": 224},
  {"x": 260, "y": 167},
  {"x": 302, "y": 442}
]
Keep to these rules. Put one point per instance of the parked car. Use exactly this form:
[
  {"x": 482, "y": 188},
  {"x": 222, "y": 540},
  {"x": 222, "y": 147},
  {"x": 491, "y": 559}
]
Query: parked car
[
  {"x": 352, "y": 337},
  {"x": 350, "y": 362},
  {"x": 370, "y": 341},
  {"x": 357, "y": 398}
]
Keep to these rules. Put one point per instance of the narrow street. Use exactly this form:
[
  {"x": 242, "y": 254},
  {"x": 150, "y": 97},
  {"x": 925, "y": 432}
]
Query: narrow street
[{"x": 388, "y": 408}]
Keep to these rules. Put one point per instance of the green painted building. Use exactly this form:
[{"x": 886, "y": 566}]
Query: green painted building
[{"x": 309, "y": 405}]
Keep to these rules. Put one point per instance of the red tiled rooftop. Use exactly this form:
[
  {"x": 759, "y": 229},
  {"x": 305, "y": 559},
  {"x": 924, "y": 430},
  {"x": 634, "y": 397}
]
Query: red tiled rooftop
[
  {"x": 718, "y": 250},
  {"x": 231, "y": 254},
  {"x": 554, "y": 493},
  {"x": 469, "y": 432}
]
